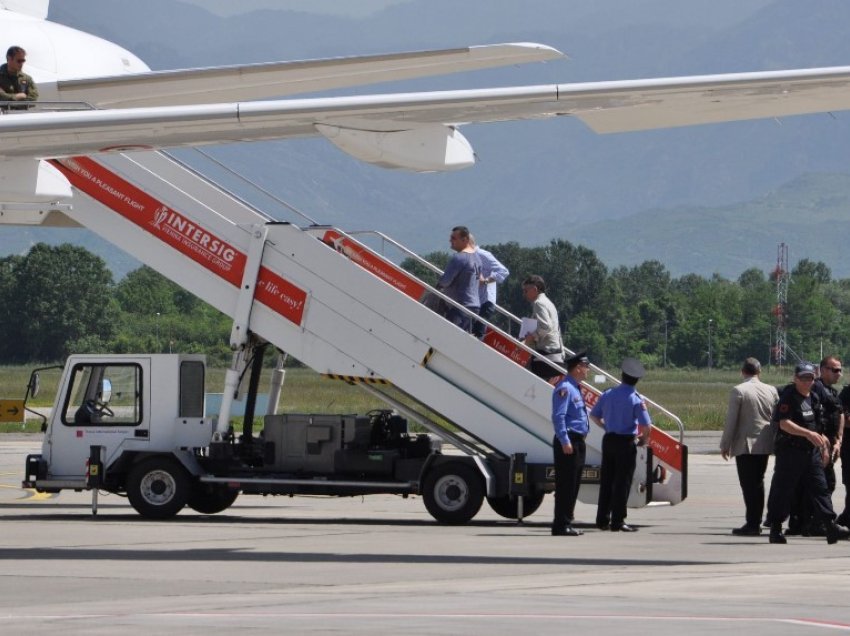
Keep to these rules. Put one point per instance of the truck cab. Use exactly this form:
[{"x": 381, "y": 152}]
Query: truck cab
[{"x": 107, "y": 401}]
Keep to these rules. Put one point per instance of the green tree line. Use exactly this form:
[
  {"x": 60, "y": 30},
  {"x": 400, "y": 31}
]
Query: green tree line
[{"x": 57, "y": 300}]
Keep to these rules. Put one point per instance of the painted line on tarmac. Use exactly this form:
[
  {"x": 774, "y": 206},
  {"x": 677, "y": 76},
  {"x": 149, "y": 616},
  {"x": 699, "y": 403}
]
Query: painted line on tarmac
[
  {"x": 596, "y": 618},
  {"x": 833, "y": 625}
]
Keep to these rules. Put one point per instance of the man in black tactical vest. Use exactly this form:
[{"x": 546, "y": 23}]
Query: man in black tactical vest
[
  {"x": 801, "y": 451},
  {"x": 833, "y": 427}
]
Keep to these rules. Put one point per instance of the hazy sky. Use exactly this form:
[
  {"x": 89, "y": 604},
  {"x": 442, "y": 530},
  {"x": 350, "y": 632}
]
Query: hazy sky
[{"x": 354, "y": 8}]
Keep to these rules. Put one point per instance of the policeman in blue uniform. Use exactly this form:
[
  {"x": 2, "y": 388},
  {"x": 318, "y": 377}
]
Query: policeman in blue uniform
[
  {"x": 801, "y": 452},
  {"x": 569, "y": 418},
  {"x": 621, "y": 411}
]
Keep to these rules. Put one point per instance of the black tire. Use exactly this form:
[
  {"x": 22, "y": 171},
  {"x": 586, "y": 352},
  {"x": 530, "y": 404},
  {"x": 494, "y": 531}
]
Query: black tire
[
  {"x": 158, "y": 487},
  {"x": 453, "y": 492},
  {"x": 506, "y": 505},
  {"x": 208, "y": 499}
]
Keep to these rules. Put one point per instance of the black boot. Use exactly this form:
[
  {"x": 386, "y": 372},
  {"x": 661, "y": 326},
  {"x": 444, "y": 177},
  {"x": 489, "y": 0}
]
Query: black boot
[
  {"x": 834, "y": 532},
  {"x": 776, "y": 535}
]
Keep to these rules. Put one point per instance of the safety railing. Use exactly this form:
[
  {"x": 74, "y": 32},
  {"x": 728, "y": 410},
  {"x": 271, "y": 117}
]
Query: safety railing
[
  {"x": 496, "y": 337},
  {"x": 12, "y": 107},
  {"x": 499, "y": 336}
]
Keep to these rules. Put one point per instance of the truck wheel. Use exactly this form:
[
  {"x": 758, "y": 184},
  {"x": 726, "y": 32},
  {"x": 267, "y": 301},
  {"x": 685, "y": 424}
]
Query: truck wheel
[
  {"x": 453, "y": 493},
  {"x": 208, "y": 499},
  {"x": 506, "y": 505},
  {"x": 158, "y": 487}
]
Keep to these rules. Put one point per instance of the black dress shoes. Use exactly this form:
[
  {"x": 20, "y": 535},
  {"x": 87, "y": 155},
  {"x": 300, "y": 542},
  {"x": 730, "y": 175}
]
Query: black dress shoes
[
  {"x": 747, "y": 531},
  {"x": 834, "y": 532},
  {"x": 623, "y": 527},
  {"x": 569, "y": 531},
  {"x": 603, "y": 525},
  {"x": 776, "y": 535}
]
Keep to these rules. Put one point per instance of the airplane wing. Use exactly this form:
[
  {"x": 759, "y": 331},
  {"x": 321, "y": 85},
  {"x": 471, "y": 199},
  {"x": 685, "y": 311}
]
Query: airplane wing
[
  {"x": 417, "y": 131},
  {"x": 277, "y": 79}
]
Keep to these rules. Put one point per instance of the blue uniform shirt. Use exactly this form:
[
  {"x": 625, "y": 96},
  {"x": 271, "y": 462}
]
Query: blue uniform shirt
[
  {"x": 568, "y": 412},
  {"x": 622, "y": 410}
]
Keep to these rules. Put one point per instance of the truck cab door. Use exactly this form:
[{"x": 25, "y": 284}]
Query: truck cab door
[{"x": 101, "y": 403}]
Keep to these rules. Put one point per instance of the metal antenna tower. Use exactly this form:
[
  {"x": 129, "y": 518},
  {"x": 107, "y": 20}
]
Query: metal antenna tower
[{"x": 780, "y": 310}]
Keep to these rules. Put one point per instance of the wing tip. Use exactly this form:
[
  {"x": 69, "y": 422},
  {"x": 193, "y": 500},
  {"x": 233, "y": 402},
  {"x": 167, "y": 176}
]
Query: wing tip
[{"x": 533, "y": 50}]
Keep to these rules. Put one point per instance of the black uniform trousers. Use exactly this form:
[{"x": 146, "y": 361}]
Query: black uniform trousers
[
  {"x": 797, "y": 465},
  {"x": 751, "y": 470},
  {"x": 567, "y": 479},
  {"x": 618, "y": 467},
  {"x": 829, "y": 469},
  {"x": 486, "y": 311},
  {"x": 802, "y": 514}
]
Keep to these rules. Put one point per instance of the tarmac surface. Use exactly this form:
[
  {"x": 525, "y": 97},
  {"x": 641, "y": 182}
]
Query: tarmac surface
[{"x": 381, "y": 565}]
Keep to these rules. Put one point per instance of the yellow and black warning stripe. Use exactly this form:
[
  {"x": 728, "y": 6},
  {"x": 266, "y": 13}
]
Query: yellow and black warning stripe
[
  {"x": 428, "y": 356},
  {"x": 355, "y": 379}
]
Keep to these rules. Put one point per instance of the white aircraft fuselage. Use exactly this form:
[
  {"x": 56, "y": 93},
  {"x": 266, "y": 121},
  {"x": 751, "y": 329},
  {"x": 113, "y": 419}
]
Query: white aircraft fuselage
[
  {"x": 133, "y": 108},
  {"x": 54, "y": 52}
]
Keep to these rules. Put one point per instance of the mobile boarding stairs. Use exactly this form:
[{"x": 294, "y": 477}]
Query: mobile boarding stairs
[{"x": 347, "y": 311}]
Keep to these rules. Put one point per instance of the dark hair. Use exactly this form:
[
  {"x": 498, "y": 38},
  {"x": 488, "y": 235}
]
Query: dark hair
[
  {"x": 751, "y": 367},
  {"x": 826, "y": 360},
  {"x": 461, "y": 230},
  {"x": 628, "y": 379},
  {"x": 535, "y": 281},
  {"x": 13, "y": 51},
  {"x": 573, "y": 362}
]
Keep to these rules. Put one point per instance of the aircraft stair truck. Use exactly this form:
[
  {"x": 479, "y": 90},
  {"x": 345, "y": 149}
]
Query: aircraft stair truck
[{"x": 301, "y": 291}]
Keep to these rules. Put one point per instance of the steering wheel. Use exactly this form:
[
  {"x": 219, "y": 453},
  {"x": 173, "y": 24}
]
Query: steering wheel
[{"x": 100, "y": 407}]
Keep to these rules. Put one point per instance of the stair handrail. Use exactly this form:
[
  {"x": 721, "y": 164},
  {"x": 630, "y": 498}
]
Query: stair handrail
[
  {"x": 429, "y": 265},
  {"x": 615, "y": 380},
  {"x": 513, "y": 320}
]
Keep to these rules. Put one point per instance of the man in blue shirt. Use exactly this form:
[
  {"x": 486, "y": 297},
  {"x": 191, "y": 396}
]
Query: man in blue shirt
[
  {"x": 621, "y": 411},
  {"x": 569, "y": 417},
  {"x": 492, "y": 273}
]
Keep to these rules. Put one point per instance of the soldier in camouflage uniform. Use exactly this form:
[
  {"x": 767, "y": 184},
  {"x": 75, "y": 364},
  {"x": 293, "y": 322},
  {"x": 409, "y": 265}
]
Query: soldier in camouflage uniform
[{"x": 15, "y": 85}]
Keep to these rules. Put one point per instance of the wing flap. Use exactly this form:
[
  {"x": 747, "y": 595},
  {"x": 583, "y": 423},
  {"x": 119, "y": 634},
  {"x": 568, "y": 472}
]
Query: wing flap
[
  {"x": 649, "y": 104},
  {"x": 255, "y": 81}
]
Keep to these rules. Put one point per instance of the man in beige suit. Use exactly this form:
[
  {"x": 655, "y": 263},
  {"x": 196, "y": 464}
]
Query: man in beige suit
[{"x": 748, "y": 436}]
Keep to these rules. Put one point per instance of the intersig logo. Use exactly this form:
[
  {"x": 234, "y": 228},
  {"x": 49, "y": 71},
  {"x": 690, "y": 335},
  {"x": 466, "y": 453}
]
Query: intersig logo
[{"x": 197, "y": 239}]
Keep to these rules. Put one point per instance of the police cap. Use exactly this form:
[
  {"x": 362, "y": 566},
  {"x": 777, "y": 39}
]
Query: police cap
[
  {"x": 633, "y": 368},
  {"x": 804, "y": 368},
  {"x": 577, "y": 359}
]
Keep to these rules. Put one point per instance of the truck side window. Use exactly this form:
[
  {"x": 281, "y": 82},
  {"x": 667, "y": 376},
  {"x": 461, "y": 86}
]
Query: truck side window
[
  {"x": 104, "y": 395},
  {"x": 191, "y": 388}
]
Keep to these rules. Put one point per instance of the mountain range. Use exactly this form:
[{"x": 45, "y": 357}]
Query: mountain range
[{"x": 700, "y": 199}]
